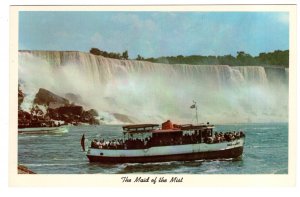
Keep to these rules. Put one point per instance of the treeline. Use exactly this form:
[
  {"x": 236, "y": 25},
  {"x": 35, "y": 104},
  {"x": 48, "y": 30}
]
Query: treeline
[
  {"x": 96, "y": 51},
  {"x": 278, "y": 57}
]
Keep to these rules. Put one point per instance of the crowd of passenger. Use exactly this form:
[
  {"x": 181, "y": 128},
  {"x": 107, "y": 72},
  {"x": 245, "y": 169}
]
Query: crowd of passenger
[
  {"x": 221, "y": 137},
  {"x": 147, "y": 142}
]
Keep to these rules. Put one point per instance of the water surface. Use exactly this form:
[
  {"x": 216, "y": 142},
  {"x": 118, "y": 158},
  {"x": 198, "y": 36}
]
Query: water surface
[{"x": 265, "y": 152}]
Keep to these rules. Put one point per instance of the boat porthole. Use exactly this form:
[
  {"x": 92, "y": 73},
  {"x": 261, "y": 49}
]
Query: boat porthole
[{"x": 101, "y": 153}]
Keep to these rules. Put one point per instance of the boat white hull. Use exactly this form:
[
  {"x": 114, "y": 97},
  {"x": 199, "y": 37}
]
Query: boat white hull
[
  {"x": 43, "y": 130},
  {"x": 185, "y": 152}
]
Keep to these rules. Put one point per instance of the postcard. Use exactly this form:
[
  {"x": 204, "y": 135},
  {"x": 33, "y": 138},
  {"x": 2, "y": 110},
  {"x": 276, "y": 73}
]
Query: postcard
[{"x": 153, "y": 95}]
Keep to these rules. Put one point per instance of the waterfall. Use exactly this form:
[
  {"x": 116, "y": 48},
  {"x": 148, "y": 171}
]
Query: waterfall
[
  {"x": 253, "y": 74},
  {"x": 153, "y": 92}
]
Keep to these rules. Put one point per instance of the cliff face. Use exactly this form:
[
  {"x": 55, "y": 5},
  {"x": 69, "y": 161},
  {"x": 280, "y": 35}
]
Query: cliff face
[{"x": 150, "y": 91}]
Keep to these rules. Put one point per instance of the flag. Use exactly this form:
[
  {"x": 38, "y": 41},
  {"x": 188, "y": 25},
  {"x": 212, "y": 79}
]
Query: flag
[
  {"x": 193, "y": 106},
  {"x": 82, "y": 142}
]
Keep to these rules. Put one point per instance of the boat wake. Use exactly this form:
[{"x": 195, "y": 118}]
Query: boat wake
[
  {"x": 150, "y": 167},
  {"x": 55, "y": 164}
]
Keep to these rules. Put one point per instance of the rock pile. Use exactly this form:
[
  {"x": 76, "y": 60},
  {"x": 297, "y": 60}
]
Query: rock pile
[{"x": 58, "y": 111}]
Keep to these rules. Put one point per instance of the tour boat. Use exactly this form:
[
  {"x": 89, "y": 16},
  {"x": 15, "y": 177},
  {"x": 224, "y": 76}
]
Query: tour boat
[
  {"x": 42, "y": 130},
  {"x": 144, "y": 143}
]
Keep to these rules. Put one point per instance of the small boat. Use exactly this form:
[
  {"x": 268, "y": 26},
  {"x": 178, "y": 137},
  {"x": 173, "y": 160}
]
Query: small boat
[
  {"x": 144, "y": 143},
  {"x": 43, "y": 130}
]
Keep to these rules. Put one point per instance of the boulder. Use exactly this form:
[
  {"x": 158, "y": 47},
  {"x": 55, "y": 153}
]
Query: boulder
[
  {"x": 44, "y": 97},
  {"x": 71, "y": 110},
  {"x": 89, "y": 117},
  {"x": 93, "y": 112},
  {"x": 55, "y": 105},
  {"x": 74, "y": 98},
  {"x": 53, "y": 114}
]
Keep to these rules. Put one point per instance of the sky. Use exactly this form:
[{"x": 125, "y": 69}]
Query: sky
[{"x": 155, "y": 34}]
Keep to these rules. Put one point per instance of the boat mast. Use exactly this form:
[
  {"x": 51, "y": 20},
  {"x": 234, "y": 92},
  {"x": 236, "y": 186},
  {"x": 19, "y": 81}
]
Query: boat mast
[{"x": 195, "y": 106}]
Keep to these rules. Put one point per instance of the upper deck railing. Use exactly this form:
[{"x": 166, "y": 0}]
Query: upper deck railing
[
  {"x": 154, "y": 128},
  {"x": 139, "y": 128}
]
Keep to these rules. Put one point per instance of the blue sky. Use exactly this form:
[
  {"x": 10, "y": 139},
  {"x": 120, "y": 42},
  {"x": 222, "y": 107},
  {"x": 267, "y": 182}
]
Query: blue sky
[{"x": 154, "y": 34}]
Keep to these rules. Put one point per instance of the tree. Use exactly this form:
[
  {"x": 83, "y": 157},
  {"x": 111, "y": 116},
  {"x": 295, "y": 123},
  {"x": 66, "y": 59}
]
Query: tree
[
  {"x": 125, "y": 55},
  {"x": 244, "y": 58},
  {"x": 95, "y": 51},
  {"x": 139, "y": 57},
  {"x": 277, "y": 57}
]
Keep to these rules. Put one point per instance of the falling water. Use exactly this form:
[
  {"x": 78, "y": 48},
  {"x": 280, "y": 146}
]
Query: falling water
[{"x": 153, "y": 92}]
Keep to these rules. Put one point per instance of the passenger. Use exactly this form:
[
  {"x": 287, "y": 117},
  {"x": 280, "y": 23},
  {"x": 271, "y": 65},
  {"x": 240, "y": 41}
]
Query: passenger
[
  {"x": 106, "y": 144},
  {"x": 219, "y": 138},
  {"x": 222, "y": 138},
  {"x": 117, "y": 144},
  {"x": 242, "y": 134},
  {"x": 100, "y": 145},
  {"x": 231, "y": 137},
  {"x": 209, "y": 140},
  {"x": 226, "y": 136},
  {"x": 215, "y": 137}
]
